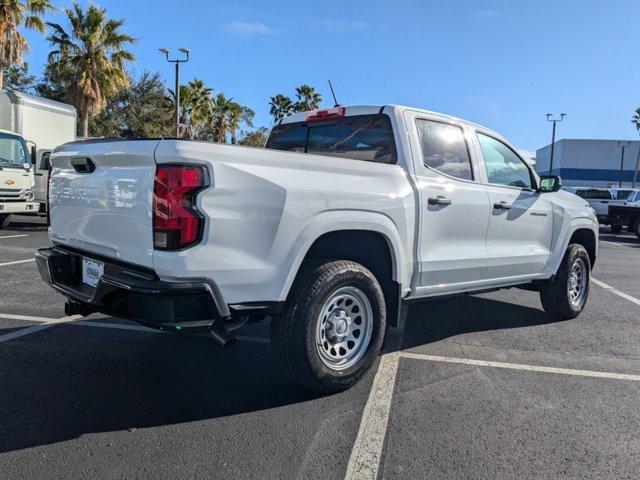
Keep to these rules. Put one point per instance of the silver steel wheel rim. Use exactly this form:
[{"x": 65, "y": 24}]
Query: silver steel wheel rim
[
  {"x": 577, "y": 284},
  {"x": 343, "y": 328}
]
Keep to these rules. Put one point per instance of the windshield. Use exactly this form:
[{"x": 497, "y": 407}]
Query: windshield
[
  {"x": 359, "y": 137},
  {"x": 13, "y": 151}
]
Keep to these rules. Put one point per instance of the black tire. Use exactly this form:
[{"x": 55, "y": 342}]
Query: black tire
[
  {"x": 636, "y": 228},
  {"x": 555, "y": 296},
  {"x": 5, "y": 220},
  {"x": 616, "y": 229},
  {"x": 294, "y": 333}
]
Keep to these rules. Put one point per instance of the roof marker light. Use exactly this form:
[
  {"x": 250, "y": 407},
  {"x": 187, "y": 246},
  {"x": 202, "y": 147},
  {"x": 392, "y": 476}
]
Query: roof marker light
[{"x": 327, "y": 114}]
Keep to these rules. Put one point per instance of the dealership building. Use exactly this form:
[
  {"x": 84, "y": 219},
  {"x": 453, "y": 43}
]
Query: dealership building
[{"x": 590, "y": 162}]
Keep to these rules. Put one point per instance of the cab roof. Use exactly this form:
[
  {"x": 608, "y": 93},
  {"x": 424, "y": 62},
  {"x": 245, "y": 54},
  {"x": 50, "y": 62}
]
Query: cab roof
[{"x": 352, "y": 110}]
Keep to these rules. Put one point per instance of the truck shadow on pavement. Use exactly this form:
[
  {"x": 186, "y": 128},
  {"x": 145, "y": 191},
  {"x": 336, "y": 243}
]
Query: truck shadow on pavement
[
  {"x": 70, "y": 381},
  {"x": 436, "y": 320}
]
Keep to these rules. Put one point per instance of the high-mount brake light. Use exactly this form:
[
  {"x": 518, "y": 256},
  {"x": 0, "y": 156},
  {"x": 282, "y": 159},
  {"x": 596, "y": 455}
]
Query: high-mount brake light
[
  {"x": 176, "y": 221},
  {"x": 328, "y": 114}
]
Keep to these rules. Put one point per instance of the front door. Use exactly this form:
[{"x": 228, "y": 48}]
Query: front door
[
  {"x": 454, "y": 206},
  {"x": 521, "y": 222}
]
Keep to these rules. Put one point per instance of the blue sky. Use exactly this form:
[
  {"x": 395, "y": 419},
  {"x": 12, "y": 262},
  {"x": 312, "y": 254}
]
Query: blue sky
[{"x": 501, "y": 63}]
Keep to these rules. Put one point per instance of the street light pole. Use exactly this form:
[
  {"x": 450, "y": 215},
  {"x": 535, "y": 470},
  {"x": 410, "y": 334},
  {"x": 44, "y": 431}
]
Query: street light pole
[
  {"x": 553, "y": 136},
  {"x": 177, "y": 62},
  {"x": 622, "y": 145}
]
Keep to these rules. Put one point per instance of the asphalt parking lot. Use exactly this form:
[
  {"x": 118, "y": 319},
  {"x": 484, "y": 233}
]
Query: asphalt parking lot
[{"x": 482, "y": 387}]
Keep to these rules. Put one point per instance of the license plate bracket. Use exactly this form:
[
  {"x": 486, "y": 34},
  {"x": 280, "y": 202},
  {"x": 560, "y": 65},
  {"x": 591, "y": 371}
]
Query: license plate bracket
[{"x": 92, "y": 271}]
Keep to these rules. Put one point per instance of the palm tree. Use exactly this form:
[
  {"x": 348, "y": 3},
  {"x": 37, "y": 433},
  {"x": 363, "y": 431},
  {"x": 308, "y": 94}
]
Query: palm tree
[
  {"x": 93, "y": 57},
  {"x": 636, "y": 119},
  {"x": 14, "y": 13},
  {"x": 238, "y": 114},
  {"x": 197, "y": 105},
  {"x": 307, "y": 99},
  {"x": 281, "y": 106}
]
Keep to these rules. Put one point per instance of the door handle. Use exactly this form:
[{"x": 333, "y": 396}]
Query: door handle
[
  {"x": 439, "y": 200},
  {"x": 502, "y": 205}
]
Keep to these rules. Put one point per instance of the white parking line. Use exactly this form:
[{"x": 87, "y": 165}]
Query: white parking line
[
  {"x": 616, "y": 291},
  {"x": 520, "y": 366},
  {"x": 364, "y": 462},
  {"x": 17, "y": 262},
  {"x": 367, "y": 449},
  {"x": 12, "y": 236},
  {"x": 28, "y": 318},
  {"x": 612, "y": 243},
  {"x": 36, "y": 328}
]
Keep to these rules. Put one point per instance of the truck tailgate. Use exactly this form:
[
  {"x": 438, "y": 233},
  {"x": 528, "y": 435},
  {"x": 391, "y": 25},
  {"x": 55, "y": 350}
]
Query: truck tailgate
[{"x": 100, "y": 198}]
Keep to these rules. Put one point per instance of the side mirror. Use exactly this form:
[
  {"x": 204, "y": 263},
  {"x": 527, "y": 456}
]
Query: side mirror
[
  {"x": 33, "y": 155},
  {"x": 26, "y": 166},
  {"x": 550, "y": 183}
]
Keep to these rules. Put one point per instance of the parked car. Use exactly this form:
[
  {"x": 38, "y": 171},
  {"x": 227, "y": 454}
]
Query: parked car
[
  {"x": 628, "y": 214},
  {"x": 348, "y": 216},
  {"x": 600, "y": 199}
]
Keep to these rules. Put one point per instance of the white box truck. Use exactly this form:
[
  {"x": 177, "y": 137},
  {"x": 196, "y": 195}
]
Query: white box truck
[{"x": 30, "y": 128}]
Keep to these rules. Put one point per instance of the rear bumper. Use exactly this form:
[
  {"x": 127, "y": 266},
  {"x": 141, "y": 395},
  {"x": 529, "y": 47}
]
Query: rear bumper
[
  {"x": 19, "y": 207},
  {"x": 130, "y": 292}
]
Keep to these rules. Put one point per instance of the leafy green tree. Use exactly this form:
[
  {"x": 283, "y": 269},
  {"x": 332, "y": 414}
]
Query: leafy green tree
[
  {"x": 636, "y": 119},
  {"x": 196, "y": 105},
  {"x": 142, "y": 111},
  {"x": 281, "y": 106},
  {"x": 307, "y": 99},
  {"x": 90, "y": 58},
  {"x": 53, "y": 84},
  {"x": 255, "y": 138},
  {"x": 17, "y": 77},
  {"x": 14, "y": 14}
]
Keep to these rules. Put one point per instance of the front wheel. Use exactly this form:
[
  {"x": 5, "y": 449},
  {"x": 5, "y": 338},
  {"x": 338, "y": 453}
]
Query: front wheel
[
  {"x": 616, "y": 229},
  {"x": 332, "y": 327},
  {"x": 5, "y": 219},
  {"x": 565, "y": 296}
]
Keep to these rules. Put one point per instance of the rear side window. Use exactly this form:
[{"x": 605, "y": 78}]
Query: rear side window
[
  {"x": 444, "y": 148},
  {"x": 361, "y": 137},
  {"x": 594, "y": 194}
]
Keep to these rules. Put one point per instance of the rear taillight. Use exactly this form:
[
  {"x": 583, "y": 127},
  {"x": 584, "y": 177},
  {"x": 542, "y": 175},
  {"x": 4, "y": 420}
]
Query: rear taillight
[{"x": 176, "y": 220}]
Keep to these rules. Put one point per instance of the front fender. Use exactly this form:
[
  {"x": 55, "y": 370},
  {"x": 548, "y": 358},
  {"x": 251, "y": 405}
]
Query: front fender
[{"x": 561, "y": 242}]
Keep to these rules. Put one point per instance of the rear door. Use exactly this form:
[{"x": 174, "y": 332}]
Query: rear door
[
  {"x": 521, "y": 221},
  {"x": 454, "y": 205},
  {"x": 101, "y": 199}
]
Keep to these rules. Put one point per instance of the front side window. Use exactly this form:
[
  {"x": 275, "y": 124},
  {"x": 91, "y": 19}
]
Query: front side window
[
  {"x": 503, "y": 166},
  {"x": 444, "y": 148}
]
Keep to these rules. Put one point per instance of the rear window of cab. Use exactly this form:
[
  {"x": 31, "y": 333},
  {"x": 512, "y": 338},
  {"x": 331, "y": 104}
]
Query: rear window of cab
[{"x": 359, "y": 137}]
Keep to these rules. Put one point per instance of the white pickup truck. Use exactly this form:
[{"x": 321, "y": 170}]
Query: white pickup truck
[{"x": 347, "y": 216}]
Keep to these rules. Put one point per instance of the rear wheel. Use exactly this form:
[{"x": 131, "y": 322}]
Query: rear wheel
[
  {"x": 616, "y": 228},
  {"x": 5, "y": 219},
  {"x": 565, "y": 296},
  {"x": 332, "y": 327}
]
